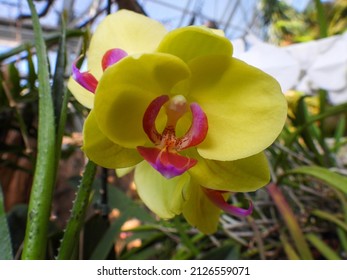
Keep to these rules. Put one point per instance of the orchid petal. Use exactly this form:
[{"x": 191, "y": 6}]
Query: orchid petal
[
  {"x": 129, "y": 31},
  {"x": 85, "y": 79},
  {"x": 199, "y": 210},
  {"x": 83, "y": 96},
  {"x": 104, "y": 152},
  {"x": 217, "y": 198},
  {"x": 245, "y": 107},
  {"x": 193, "y": 41},
  {"x": 127, "y": 88},
  {"x": 243, "y": 175},
  {"x": 165, "y": 197},
  {"x": 168, "y": 164},
  {"x": 111, "y": 57},
  {"x": 121, "y": 172}
]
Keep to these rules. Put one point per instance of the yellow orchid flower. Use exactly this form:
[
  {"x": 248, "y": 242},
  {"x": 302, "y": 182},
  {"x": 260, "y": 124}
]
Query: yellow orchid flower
[{"x": 194, "y": 120}]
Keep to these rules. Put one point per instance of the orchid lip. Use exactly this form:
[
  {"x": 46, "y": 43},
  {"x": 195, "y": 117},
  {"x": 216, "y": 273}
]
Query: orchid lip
[
  {"x": 216, "y": 198},
  {"x": 166, "y": 163},
  {"x": 164, "y": 156}
]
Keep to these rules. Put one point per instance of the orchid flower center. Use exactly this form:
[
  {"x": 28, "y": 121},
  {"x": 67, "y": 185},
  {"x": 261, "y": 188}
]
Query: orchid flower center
[
  {"x": 175, "y": 109},
  {"x": 164, "y": 156}
]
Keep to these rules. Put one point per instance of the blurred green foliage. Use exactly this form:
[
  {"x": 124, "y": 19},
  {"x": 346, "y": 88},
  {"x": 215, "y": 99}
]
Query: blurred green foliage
[{"x": 286, "y": 25}]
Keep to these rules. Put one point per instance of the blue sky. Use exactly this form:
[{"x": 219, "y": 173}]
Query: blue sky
[
  {"x": 234, "y": 16},
  {"x": 173, "y": 13}
]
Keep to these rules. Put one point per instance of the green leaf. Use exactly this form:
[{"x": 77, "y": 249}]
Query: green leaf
[
  {"x": 331, "y": 178},
  {"x": 228, "y": 251},
  {"x": 32, "y": 76},
  {"x": 60, "y": 94},
  {"x": 17, "y": 218},
  {"x": 128, "y": 209},
  {"x": 293, "y": 136},
  {"x": 93, "y": 231},
  {"x": 330, "y": 217},
  {"x": 5, "y": 238},
  {"x": 35, "y": 241},
  {"x": 342, "y": 238},
  {"x": 288, "y": 248},
  {"x": 185, "y": 239},
  {"x": 339, "y": 133},
  {"x": 323, "y": 248},
  {"x": 15, "y": 81},
  {"x": 58, "y": 87},
  {"x": 50, "y": 39},
  {"x": 322, "y": 20},
  {"x": 3, "y": 98},
  {"x": 311, "y": 134},
  {"x": 291, "y": 221},
  {"x": 103, "y": 248}
]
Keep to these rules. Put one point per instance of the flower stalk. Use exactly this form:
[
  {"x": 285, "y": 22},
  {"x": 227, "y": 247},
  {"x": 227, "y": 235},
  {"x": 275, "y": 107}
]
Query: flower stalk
[{"x": 78, "y": 212}]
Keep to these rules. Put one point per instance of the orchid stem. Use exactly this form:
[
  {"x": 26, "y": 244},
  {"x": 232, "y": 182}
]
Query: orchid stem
[{"x": 78, "y": 212}]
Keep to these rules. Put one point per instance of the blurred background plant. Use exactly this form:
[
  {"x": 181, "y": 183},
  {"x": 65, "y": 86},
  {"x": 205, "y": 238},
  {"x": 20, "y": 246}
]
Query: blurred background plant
[{"x": 301, "y": 214}]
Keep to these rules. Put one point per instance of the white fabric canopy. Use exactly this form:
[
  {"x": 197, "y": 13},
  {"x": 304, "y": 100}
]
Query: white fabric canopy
[{"x": 319, "y": 64}]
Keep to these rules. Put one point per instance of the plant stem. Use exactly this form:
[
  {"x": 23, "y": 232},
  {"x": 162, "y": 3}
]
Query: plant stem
[{"x": 78, "y": 212}]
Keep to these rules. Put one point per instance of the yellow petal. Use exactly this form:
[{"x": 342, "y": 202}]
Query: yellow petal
[
  {"x": 83, "y": 96},
  {"x": 127, "y": 88},
  {"x": 121, "y": 172},
  {"x": 245, "y": 107},
  {"x": 243, "y": 175},
  {"x": 129, "y": 31},
  {"x": 218, "y": 32},
  {"x": 199, "y": 211},
  {"x": 104, "y": 152},
  {"x": 165, "y": 197},
  {"x": 193, "y": 41}
]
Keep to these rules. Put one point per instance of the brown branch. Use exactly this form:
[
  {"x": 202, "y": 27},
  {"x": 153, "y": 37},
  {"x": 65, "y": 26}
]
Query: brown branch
[{"x": 131, "y": 5}]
